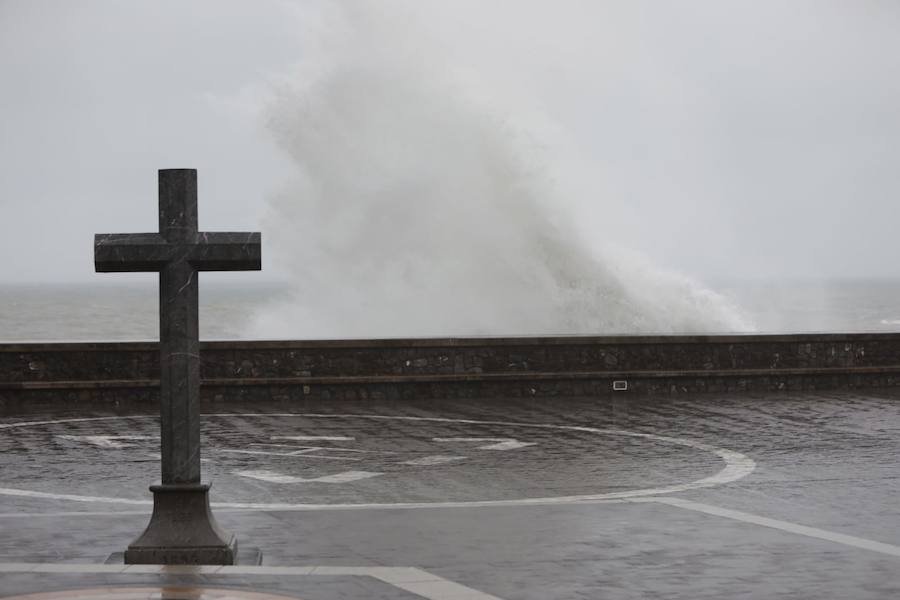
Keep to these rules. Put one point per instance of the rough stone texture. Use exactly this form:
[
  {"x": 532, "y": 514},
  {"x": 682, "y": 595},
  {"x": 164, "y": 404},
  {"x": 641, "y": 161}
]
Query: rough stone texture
[{"x": 458, "y": 368}]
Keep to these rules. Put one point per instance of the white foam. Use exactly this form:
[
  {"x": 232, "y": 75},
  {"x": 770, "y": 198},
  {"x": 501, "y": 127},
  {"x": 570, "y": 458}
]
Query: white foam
[{"x": 423, "y": 205}]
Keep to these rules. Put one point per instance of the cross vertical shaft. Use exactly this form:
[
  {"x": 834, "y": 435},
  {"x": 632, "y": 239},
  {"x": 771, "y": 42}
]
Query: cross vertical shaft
[{"x": 179, "y": 331}]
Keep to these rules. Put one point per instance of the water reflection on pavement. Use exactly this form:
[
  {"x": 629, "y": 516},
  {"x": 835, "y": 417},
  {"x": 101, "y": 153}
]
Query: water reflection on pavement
[{"x": 685, "y": 497}]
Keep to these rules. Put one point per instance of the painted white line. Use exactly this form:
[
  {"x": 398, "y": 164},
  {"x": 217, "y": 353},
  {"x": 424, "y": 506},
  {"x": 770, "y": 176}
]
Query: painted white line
[
  {"x": 100, "y": 513},
  {"x": 411, "y": 579},
  {"x": 307, "y": 438},
  {"x": 303, "y": 454},
  {"x": 813, "y": 532},
  {"x": 444, "y": 589},
  {"x": 305, "y": 449},
  {"x": 499, "y": 443},
  {"x": 308, "y": 449},
  {"x": 72, "y": 497},
  {"x": 736, "y": 467},
  {"x": 286, "y": 508},
  {"x": 437, "y": 459},
  {"x": 78, "y": 420},
  {"x": 273, "y": 477},
  {"x": 107, "y": 441},
  {"x": 72, "y": 513},
  {"x": 17, "y": 567}
]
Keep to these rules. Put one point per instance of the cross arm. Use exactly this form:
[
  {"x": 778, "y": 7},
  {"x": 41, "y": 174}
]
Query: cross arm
[
  {"x": 118, "y": 252},
  {"x": 227, "y": 251},
  {"x": 218, "y": 251}
]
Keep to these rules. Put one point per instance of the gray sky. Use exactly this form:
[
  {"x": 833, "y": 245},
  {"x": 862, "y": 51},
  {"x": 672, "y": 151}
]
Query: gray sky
[{"x": 756, "y": 139}]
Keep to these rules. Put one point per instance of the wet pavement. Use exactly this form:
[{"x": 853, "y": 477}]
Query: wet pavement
[{"x": 778, "y": 496}]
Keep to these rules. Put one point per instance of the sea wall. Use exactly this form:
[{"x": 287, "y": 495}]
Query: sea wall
[{"x": 458, "y": 368}]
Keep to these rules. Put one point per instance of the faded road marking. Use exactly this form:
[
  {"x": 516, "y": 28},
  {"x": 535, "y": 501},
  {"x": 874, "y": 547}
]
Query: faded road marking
[
  {"x": 437, "y": 459},
  {"x": 307, "y": 438},
  {"x": 107, "y": 441},
  {"x": 813, "y": 532},
  {"x": 499, "y": 443},
  {"x": 273, "y": 477},
  {"x": 411, "y": 579},
  {"x": 737, "y": 466},
  {"x": 297, "y": 453}
]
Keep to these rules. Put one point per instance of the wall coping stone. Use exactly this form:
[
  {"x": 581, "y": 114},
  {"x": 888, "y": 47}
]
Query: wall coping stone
[
  {"x": 749, "y": 338},
  {"x": 450, "y": 378}
]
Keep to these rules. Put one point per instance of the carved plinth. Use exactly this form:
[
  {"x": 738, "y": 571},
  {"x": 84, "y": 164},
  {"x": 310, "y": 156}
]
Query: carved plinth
[{"x": 182, "y": 530}]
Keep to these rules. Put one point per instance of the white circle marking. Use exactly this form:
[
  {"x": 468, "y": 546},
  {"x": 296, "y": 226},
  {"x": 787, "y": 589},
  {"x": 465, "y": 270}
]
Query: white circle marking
[{"x": 737, "y": 466}]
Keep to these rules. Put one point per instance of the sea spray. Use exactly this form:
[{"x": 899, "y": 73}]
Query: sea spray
[{"x": 421, "y": 206}]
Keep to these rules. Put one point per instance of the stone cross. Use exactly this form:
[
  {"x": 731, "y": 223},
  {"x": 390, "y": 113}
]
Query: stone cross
[{"x": 182, "y": 529}]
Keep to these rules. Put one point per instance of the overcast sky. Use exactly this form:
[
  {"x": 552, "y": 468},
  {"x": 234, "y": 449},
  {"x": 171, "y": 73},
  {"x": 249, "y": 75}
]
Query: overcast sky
[{"x": 756, "y": 139}]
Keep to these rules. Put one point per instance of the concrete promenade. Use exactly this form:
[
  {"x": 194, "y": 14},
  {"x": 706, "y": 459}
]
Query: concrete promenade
[{"x": 709, "y": 496}]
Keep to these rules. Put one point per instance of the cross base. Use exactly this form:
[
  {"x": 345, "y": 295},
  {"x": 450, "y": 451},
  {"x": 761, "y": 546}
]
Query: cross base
[{"x": 182, "y": 530}]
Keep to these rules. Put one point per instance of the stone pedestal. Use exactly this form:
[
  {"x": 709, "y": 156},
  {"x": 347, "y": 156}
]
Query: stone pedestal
[{"x": 182, "y": 530}]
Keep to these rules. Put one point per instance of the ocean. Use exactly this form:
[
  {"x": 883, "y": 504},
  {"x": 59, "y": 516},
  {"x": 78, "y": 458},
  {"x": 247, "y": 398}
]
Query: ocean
[{"x": 80, "y": 312}]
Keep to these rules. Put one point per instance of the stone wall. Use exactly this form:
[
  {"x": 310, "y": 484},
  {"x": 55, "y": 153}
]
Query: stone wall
[{"x": 465, "y": 367}]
